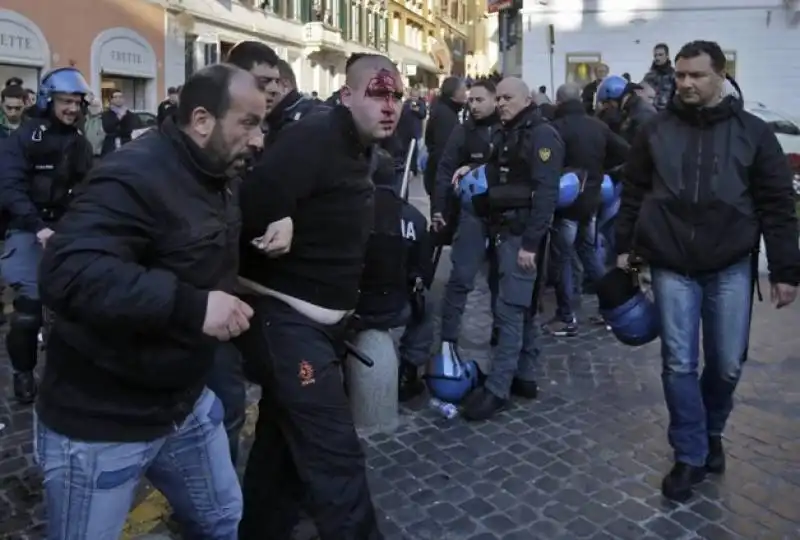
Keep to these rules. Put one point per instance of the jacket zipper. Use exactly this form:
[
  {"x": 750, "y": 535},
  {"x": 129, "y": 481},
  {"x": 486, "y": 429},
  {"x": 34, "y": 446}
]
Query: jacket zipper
[{"x": 696, "y": 197}]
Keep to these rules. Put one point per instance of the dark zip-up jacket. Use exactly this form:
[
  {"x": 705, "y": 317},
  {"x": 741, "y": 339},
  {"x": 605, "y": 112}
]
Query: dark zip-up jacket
[
  {"x": 591, "y": 149},
  {"x": 636, "y": 112},
  {"x": 469, "y": 144},
  {"x": 293, "y": 107},
  {"x": 128, "y": 274},
  {"x": 443, "y": 120},
  {"x": 701, "y": 186}
]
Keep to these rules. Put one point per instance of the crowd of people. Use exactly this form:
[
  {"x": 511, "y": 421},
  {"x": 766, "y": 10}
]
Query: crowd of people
[{"x": 253, "y": 232}]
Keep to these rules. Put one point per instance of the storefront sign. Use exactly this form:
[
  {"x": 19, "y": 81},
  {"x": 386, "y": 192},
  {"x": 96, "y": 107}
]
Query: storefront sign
[
  {"x": 19, "y": 41},
  {"x": 123, "y": 55}
]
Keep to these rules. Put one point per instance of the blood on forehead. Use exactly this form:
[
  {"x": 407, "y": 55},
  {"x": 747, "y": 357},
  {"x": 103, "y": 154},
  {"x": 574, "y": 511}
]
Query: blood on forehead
[{"x": 384, "y": 84}]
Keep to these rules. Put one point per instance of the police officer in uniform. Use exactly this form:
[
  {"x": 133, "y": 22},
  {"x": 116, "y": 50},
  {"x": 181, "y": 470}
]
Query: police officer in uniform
[
  {"x": 40, "y": 164},
  {"x": 468, "y": 147},
  {"x": 622, "y": 108},
  {"x": 523, "y": 175},
  {"x": 397, "y": 272},
  {"x": 292, "y": 105}
]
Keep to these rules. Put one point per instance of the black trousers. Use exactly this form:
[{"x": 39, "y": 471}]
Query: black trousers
[{"x": 306, "y": 452}]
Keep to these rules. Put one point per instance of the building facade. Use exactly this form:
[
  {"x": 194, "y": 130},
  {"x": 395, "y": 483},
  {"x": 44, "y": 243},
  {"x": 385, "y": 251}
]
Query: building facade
[
  {"x": 482, "y": 39},
  {"x": 761, "y": 39},
  {"x": 314, "y": 36},
  {"x": 117, "y": 45},
  {"x": 412, "y": 33}
]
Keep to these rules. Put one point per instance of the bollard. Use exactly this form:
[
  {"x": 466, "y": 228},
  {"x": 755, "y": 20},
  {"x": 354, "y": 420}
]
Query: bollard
[{"x": 373, "y": 390}]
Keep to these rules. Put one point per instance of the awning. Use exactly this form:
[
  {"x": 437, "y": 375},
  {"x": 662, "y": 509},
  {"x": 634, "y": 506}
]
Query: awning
[{"x": 402, "y": 53}]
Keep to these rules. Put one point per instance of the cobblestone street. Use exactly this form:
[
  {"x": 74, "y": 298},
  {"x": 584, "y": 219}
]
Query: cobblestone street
[{"x": 583, "y": 461}]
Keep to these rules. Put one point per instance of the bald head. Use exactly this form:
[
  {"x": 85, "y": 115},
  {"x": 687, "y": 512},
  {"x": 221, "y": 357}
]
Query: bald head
[
  {"x": 513, "y": 96},
  {"x": 514, "y": 85},
  {"x": 366, "y": 66},
  {"x": 568, "y": 92}
]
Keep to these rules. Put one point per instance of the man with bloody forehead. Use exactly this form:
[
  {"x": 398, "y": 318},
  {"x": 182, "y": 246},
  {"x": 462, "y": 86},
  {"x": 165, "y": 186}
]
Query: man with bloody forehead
[{"x": 312, "y": 193}]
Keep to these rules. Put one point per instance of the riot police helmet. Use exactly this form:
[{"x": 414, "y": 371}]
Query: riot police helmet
[{"x": 67, "y": 80}]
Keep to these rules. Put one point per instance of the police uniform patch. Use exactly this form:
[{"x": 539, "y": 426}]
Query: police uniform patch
[{"x": 544, "y": 154}]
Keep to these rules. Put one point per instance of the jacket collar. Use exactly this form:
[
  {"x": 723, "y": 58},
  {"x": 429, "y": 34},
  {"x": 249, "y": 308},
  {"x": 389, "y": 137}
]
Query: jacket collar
[
  {"x": 198, "y": 160},
  {"x": 570, "y": 108}
]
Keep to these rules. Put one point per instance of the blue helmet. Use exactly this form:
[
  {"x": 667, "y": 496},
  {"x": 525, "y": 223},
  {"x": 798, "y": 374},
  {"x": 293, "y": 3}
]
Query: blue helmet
[
  {"x": 449, "y": 378},
  {"x": 631, "y": 314},
  {"x": 611, "y": 88},
  {"x": 569, "y": 187},
  {"x": 473, "y": 183},
  {"x": 67, "y": 80}
]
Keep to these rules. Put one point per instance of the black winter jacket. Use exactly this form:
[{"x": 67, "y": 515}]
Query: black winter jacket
[
  {"x": 317, "y": 173},
  {"x": 128, "y": 274},
  {"x": 591, "y": 149},
  {"x": 701, "y": 186}
]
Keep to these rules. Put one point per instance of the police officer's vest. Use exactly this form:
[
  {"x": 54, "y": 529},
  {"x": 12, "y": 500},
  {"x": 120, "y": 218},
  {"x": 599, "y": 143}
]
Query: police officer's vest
[
  {"x": 385, "y": 260},
  {"x": 477, "y": 145},
  {"x": 509, "y": 171},
  {"x": 57, "y": 162}
]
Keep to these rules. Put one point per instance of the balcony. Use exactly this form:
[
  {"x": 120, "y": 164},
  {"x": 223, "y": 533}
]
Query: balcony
[{"x": 319, "y": 38}]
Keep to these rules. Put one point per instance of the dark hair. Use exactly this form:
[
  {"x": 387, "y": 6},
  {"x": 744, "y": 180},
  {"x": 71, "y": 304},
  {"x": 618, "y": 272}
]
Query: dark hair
[
  {"x": 450, "y": 86},
  {"x": 13, "y": 91},
  {"x": 208, "y": 88},
  {"x": 485, "y": 83},
  {"x": 172, "y": 90},
  {"x": 626, "y": 76},
  {"x": 249, "y": 54},
  {"x": 14, "y": 81},
  {"x": 543, "y": 89},
  {"x": 355, "y": 57},
  {"x": 287, "y": 73},
  {"x": 693, "y": 49},
  {"x": 663, "y": 46}
]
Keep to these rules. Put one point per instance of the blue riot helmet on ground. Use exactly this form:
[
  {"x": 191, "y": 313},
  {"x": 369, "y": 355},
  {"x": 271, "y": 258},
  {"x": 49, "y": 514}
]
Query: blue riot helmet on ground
[
  {"x": 67, "y": 80},
  {"x": 448, "y": 377},
  {"x": 612, "y": 88},
  {"x": 473, "y": 183},
  {"x": 569, "y": 187},
  {"x": 631, "y": 314}
]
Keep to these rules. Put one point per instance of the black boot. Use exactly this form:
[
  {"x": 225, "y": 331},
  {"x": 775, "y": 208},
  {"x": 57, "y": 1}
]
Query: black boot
[
  {"x": 25, "y": 387},
  {"x": 677, "y": 485},
  {"x": 715, "y": 462},
  {"x": 524, "y": 389},
  {"x": 410, "y": 383},
  {"x": 481, "y": 404}
]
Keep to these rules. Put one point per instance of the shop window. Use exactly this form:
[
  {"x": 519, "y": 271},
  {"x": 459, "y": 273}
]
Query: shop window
[
  {"x": 730, "y": 63},
  {"x": 580, "y": 67}
]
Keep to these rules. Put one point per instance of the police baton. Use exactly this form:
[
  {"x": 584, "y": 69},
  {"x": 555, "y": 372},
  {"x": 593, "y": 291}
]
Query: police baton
[
  {"x": 360, "y": 356},
  {"x": 541, "y": 274},
  {"x": 407, "y": 169}
]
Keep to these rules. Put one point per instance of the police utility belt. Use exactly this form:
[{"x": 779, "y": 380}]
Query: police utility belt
[{"x": 507, "y": 206}]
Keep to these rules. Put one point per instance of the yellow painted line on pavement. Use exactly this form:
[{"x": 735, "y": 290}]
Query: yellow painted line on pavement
[{"x": 154, "y": 509}]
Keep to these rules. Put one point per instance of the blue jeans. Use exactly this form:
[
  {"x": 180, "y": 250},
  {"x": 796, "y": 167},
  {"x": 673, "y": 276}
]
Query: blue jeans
[
  {"x": 699, "y": 407},
  {"x": 226, "y": 380},
  {"x": 19, "y": 263},
  {"x": 90, "y": 486},
  {"x": 467, "y": 255},
  {"x": 517, "y": 350},
  {"x": 573, "y": 238}
]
